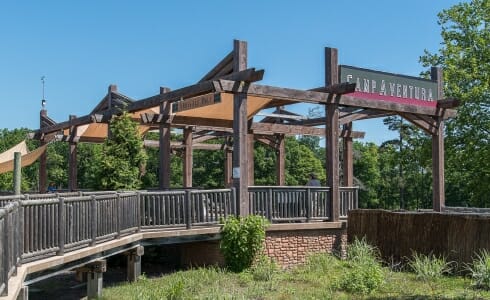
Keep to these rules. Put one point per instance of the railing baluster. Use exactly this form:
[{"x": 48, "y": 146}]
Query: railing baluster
[
  {"x": 61, "y": 226},
  {"x": 94, "y": 220}
]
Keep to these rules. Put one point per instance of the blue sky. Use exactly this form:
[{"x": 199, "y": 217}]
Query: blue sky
[{"x": 83, "y": 46}]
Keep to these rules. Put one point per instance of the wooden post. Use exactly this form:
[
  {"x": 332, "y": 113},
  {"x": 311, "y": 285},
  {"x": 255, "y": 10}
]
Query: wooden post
[
  {"x": 17, "y": 172},
  {"x": 164, "y": 155},
  {"x": 228, "y": 166},
  {"x": 332, "y": 134},
  {"x": 280, "y": 161},
  {"x": 240, "y": 129},
  {"x": 43, "y": 173},
  {"x": 94, "y": 220},
  {"x": 95, "y": 279},
  {"x": 187, "y": 165},
  {"x": 188, "y": 209},
  {"x": 5, "y": 253},
  {"x": 133, "y": 258},
  {"x": 438, "y": 189},
  {"x": 110, "y": 89},
  {"x": 23, "y": 293},
  {"x": 347, "y": 157},
  {"x": 72, "y": 158},
  {"x": 250, "y": 155},
  {"x": 61, "y": 226}
]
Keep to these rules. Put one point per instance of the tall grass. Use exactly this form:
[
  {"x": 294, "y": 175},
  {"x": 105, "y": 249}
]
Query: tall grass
[
  {"x": 429, "y": 267},
  {"x": 365, "y": 274},
  {"x": 480, "y": 270}
]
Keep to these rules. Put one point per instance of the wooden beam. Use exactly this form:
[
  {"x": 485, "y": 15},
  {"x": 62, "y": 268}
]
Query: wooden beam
[
  {"x": 339, "y": 88},
  {"x": 250, "y": 158},
  {"x": 292, "y": 95},
  {"x": 187, "y": 164},
  {"x": 438, "y": 185},
  {"x": 429, "y": 128},
  {"x": 171, "y": 96},
  {"x": 281, "y": 161},
  {"x": 348, "y": 163},
  {"x": 228, "y": 165},
  {"x": 227, "y": 60},
  {"x": 72, "y": 158},
  {"x": 164, "y": 141},
  {"x": 361, "y": 115},
  {"x": 64, "y": 125},
  {"x": 448, "y": 103},
  {"x": 43, "y": 172},
  {"x": 332, "y": 140}
]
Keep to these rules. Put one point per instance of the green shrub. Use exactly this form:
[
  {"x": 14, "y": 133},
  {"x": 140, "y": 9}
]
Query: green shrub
[
  {"x": 362, "y": 277},
  {"x": 241, "y": 240},
  {"x": 364, "y": 271},
  {"x": 480, "y": 270},
  {"x": 428, "y": 267}
]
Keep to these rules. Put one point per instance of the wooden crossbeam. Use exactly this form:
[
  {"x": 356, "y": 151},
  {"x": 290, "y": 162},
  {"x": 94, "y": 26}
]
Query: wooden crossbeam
[
  {"x": 324, "y": 98},
  {"x": 448, "y": 103},
  {"x": 64, "y": 125},
  {"x": 266, "y": 140},
  {"x": 178, "y": 145},
  {"x": 217, "y": 70},
  {"x": 363, "y": 115},
  {"x": 430, "y": 127},
  {"x": 338, "y": 89}
]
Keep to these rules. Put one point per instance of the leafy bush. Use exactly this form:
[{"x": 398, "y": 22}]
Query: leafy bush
[
  {"x": 242, "y": 239},
  {"x": 480, "y": 271},
  {"x": 428, "y": 267},
  {"x": 362, "y": 277},
  {"x": 365, "y": 273}
]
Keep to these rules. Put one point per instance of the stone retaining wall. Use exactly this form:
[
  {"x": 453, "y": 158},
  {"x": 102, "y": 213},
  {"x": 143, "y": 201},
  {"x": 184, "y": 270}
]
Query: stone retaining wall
[{"x": 286, "y": 245}]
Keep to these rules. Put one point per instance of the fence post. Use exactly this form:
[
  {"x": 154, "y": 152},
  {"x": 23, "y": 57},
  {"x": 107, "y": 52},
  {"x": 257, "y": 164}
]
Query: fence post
[
  {"x": 309, "y": 203},
  {"x": 118, "y": 213},
  {"x": 5, "y": 253},
  {"x": 270, "y": 196},
  {"x": 139, "y": 210},
  {"x": 93, "y": 206},
  {"x": 188, "y": 209},
  {"x": 20, "y": 238},
  {"x": 233, "y": 201},
  {"x": 61, "y": 226}
]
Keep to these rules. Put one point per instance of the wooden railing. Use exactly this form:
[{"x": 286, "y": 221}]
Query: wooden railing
[
  {"x": 34, "y": 227},
  {"x": 10, "y": 246},
  {"x": 284, "y": 204}
]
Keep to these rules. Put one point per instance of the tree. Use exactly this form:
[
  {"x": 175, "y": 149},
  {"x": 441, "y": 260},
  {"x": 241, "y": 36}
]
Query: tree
[
  {"x": 367, "y": 174},
  {"x": 8, "y": 139},
  {"x": 123, "y": 157},
  {"x": 301, "y": 161},
  {"x": 465, "y": 58}
]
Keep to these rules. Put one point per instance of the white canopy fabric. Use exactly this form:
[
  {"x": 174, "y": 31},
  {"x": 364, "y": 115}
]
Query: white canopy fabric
[
  {"x": 9, "y": 154},
  {"x": 28, "y": 158}
]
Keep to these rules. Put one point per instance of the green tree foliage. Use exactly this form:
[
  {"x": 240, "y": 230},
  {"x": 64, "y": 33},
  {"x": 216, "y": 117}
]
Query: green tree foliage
[
  {"x": 300, "y": 162},
  {"x": 123, "y": 158},
  {"x": 465, "y": 58},
  {"x": 367, "y": 174},
  {"x": 8, "y": 139}
]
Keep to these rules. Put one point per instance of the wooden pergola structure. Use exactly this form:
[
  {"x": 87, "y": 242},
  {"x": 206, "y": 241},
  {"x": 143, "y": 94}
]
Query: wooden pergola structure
[{"x": 223, "y": 104}]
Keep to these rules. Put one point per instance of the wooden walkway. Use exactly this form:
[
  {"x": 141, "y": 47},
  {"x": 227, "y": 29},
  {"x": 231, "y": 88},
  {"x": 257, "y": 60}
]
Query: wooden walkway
[{"x": 49, "y": 233}]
